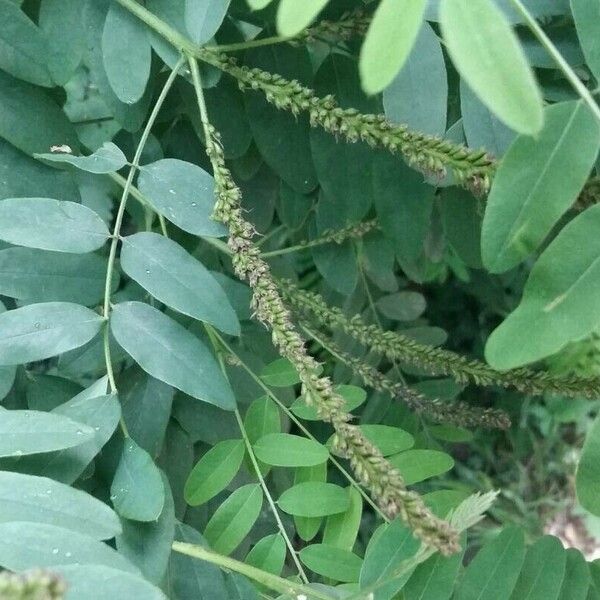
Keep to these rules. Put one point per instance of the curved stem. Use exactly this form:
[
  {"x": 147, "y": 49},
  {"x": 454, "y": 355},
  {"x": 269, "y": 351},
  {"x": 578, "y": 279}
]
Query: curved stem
[
  {"x": 563, "y": 65},
  {"x": 278, "y": 584},
  {"x": 119, "y": 220}
]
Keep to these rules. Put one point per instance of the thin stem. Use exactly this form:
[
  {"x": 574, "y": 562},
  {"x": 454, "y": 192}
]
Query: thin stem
[
  {"x": 278, "y": 584},
  {"x": 216, "y": 344},
  {"x": 135, "y": 193},
  {"x": 119, "y": 220},
  {"x": 300, "y": 426},
  {"x": 270, "y": 500},
  {"x": 377, "y": 319},
  {"x": 265, "y": 238},
  {"x": 296, "y": 248},
  {"x": 166, "y": 31},
  {"x": 563, "y": 65},
  {"x": 268, "y": 41}
]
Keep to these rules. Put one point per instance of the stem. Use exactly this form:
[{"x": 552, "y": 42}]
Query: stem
[
  {"x": 296, "y": 248},
  {"x": 563, "y": 65},
  {"x": 278, "y": 584},
  {"x": 166, "y": 31},
  {"x": 133, "y": 191},
  {"x": 300, "y": 426},
  {"x": 377, "y": 319},
  {"x": 270, "y": 500},
  {"x": 215, "y": 341},
  {"x": 268, "y": 41},
  {"x": 119, "y": 222}
]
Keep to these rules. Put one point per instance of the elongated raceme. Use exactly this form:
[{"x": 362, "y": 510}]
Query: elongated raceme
[
  {"x": 34, "y": 584},
  {"x": 472, "y": 169},
  {"x": 432, "y": 155},
  {"x": 437, "y": 361},
  {"x": 455, "y": 413},
  {"x": 371, "y": 468}
]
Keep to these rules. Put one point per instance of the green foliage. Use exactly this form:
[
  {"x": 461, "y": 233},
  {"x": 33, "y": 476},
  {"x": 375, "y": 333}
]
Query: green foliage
[
  {"x": 487, "y": 54},
  {"x": 234, "y": 237}
]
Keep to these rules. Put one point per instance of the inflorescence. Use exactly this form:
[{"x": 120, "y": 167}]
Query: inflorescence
[
  {"x": 369, "y": 465},
  {"x": 437, "y": 361},
  {"x": 455, "y": 413}
]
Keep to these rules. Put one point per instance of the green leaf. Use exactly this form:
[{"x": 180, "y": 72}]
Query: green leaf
[
  {"x": 41, "y": 276},
  {"x": 286, "y": 450},
  {"x": 30, "y": 119},
  {"x": 93, "y": 408},
  {"x": 107, "y": 159},
  {"x": 204, "y": 17},
  {"x": 585, "y": 13},
  {"x": 43, "y": 500},
  {"x": 262, "y": 417},
  {"x": 189, "y": 577},
  {"x": 308, "y": 527},
  {"x": 341, "y": 529},
  {"x": 387, "y": 549},
  {"x": 240, "y": 587},
  {"x": 347, "y": 190},
  {"x": 214, "y": 471},
  {"x": 434, "y": 579},
  {"x": 23, "y": 50},
  {"x": 418, "y": 465},
  {"x": 537, "y": 181},
  {"x": 268, "y": 554},
  {"x": 482, "y": 129},
  {"x": 146, "y": 403},
  {"x": 105, "y": 583},
  {"x": 461, "y": 219},
  {"x": 389, "y": 440},
  {"x": 353, "y": 397},
  {"x": 418, "y": 95},
  {"x": 402, "y": 306},
  {"x": 558, "y": 303},
  {"x": 177, "y": 279},
  {"x": 23, "y": 176},
  {"x": 449, "y": 433},
  {"x": 258, "y": 4},
  {"x": 331, "y": 562},
  {"x": 577, "y": 577},
  {"x": 39, "y": 331},
  {"x": 137, "y": 491},
  {"x": 314, "y": 499},
  {"x": 280, "y": 373},
  {"x": 51, "y": 225},
  {"x": 588, "y": 470},
  {"x": 542, "y": 572},
  {"x": 167, "y": 351},
  {"x": 403, "y": 202},
  {"x": 488, "y": 56},
  {"x": 232, "y": 521},
  {"x": 336, "y": 262},
  {"x": 148, "y": 545},
  {"x": 225, "y": 105},
  {"x": 64, "y": 52},
  {"x": 388, "y": 43},
  {"x": 183, "y": 193},
  {"x": 493, "y": 573},
  {"x": 126, "y": 53},
  {"x": 293, "y": 16},
  {"x": 26, "y": 545},
  {"x": 289, "y": 153}
]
